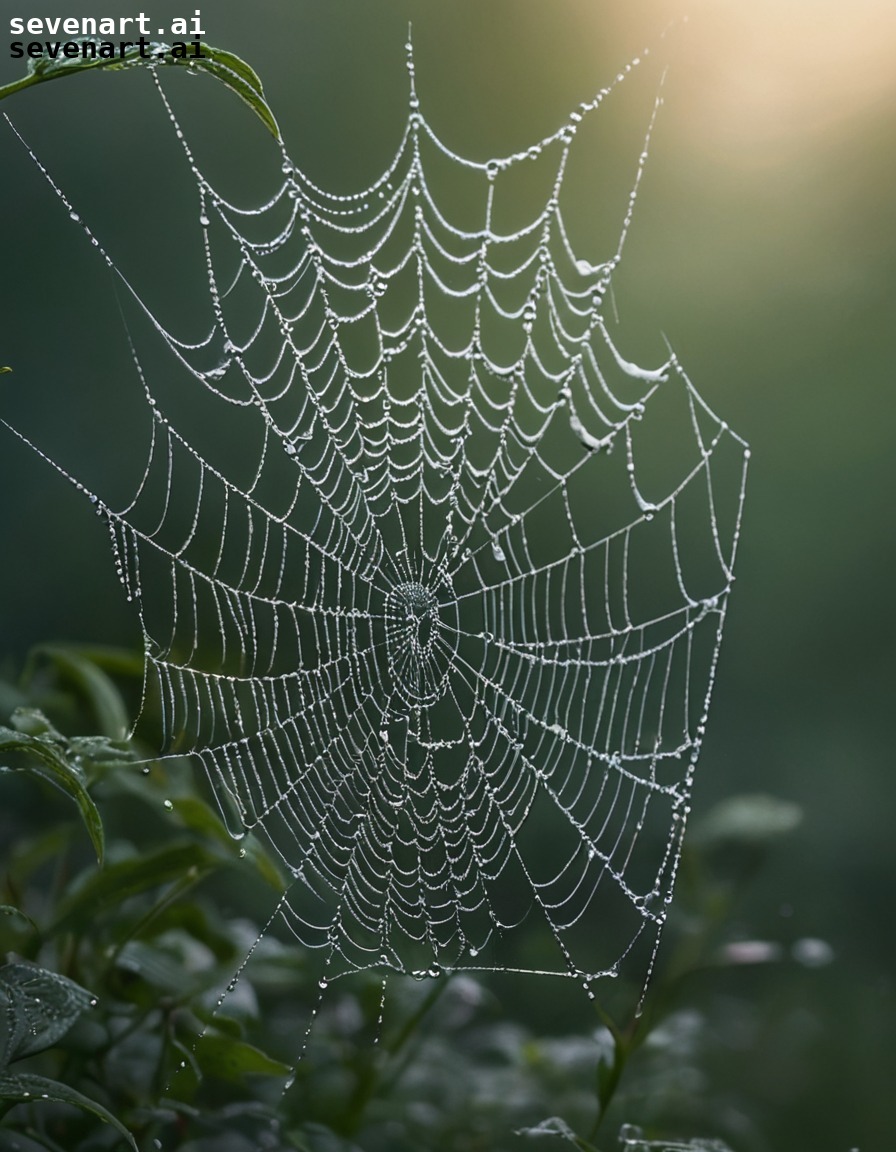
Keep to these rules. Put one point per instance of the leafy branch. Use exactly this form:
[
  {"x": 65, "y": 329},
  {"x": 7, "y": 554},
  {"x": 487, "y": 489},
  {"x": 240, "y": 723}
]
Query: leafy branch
[{"x": 227, "y": 67}]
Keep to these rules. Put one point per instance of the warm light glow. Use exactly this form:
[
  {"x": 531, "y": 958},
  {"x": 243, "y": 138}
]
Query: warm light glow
[
  {"x": 763, "y": 76},
  {"x": 783, "y": 70}
]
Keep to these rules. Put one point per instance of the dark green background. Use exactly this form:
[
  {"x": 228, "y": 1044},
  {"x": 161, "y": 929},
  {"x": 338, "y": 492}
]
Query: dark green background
[{"x": 764, "y": 247}]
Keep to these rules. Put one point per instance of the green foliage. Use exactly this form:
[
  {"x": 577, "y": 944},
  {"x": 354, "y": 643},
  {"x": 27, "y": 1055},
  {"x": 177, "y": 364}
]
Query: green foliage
[
  {"x": 33, "y": 745},
  {"x": 233, "y": 72},
  {"x": 113, "y": 1031}
]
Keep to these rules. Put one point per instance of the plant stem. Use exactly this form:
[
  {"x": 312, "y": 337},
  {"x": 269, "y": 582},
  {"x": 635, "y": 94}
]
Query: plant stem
[{"x": 370, "y": 1081}]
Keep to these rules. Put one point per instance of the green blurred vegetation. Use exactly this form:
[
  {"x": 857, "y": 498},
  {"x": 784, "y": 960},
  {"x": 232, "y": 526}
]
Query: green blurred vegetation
[{"x": 116, "y": 1028}]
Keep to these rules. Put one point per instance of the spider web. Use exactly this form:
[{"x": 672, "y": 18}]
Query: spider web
[{"x": 431, "y": 578}]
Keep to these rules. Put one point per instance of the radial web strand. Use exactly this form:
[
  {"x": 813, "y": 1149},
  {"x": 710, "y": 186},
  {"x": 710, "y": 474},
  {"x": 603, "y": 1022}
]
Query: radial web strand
[{"x": 431, "y": 578}]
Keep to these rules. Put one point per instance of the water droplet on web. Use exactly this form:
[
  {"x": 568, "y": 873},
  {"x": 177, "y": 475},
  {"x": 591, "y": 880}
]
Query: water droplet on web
[
  {"x": 584, "y": 268},
  {"x": 323, "y": 983},
  {"x": 74, "y": 216},
  {"x": 242, "y": 853},
  {"x": 168, "y": 805},
  {"x": 204, "y": 220},
  {"x": 474, "y": 951},
  {"x": 498, "y": 551}
]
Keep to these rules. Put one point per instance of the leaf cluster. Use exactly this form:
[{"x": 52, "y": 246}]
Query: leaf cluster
[
  {"x": 127, "y": 907},
  {"x": 114, "y": 947}
]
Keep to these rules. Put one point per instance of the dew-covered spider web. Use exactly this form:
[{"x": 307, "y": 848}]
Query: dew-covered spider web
[{"x": 431, "y": 578}]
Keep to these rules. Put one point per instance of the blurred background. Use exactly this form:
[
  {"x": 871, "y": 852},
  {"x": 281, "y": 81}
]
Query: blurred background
[{"x": 763, "y": 248}]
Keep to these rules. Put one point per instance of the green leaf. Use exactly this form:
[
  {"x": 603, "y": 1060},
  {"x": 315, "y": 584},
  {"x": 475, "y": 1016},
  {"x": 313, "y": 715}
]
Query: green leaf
[
  {"x": 43, "y": 756},
  {"x": 92, "y": 682},
  {"x": 24, "y": 1086},
  {"x": 38, "y": 1008},
  {"x": 239, "y": 78},
  {"x": 225, "y": 1058},
  {"x": 163, "y": 969},
  {"x": 117, "y": 882},
  {"x": 233, "y": 72},
  {"x": 256, "y": 855},
  {"x": 32, "y": 722},
  {"x": 201, "y": 817},
  {"x": 112, "y": 659},
  {"x": 100, "y": 751}
]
